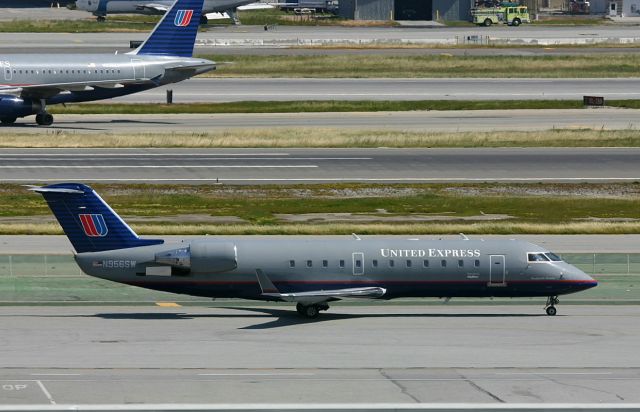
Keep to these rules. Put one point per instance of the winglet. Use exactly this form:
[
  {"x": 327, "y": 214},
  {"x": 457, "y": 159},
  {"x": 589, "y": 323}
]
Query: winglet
[{"x": 266, "y": 285}]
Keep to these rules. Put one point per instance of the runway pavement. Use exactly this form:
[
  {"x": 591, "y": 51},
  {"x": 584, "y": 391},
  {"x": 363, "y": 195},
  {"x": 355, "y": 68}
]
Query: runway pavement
[
  {"x": 60, "y": 245},
  {"x": 287, "y": 89},
  {"x": 242, "y": 166},
  {"x": 416, "y": 121},
  {"x": 351, "y": 354}
]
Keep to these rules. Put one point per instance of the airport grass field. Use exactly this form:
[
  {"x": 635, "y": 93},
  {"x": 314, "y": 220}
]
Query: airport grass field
[
  {"x": 348, "y": 208},
  {"x": 327, "y": 138}
]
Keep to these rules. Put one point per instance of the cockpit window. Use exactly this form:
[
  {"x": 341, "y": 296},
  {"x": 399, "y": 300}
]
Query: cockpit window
[
  {"x": 553, "y": 257},
  {"x": 538, "y": 257}
]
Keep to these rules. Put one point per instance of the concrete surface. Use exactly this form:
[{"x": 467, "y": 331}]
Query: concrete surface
[
  {"x": 289, "y": 89},
  {"x": 351, "y": 354},
  {"x": 435, "y": 121},
  {"x": 241, "y": 166}
]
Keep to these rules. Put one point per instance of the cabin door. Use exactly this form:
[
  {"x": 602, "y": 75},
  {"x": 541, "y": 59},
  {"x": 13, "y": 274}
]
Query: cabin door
[
  {"x": 358, "y": 263},
  {"x": 496, "y": 270},
  {"x": 7, "y": 71},
  {"x": 139, "y": 69}
]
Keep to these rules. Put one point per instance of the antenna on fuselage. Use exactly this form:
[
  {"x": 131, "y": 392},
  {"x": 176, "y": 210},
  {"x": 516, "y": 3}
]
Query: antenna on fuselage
[
  {"x": 464, "y": 237},
  {"x": 356, "y": 237}
]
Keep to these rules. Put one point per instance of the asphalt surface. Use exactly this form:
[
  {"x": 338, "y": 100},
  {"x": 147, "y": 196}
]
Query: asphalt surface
[
  {"x": 416, "y": 121},
  {"x": 289, "y": 89},
  {"x": 242, "y": 166},
  {"x": 59, "y": 245},
  {"x": 377, "y": 353}
]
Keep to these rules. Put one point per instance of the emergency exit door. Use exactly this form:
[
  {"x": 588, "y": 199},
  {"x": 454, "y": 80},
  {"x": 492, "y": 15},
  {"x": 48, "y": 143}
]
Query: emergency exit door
[{"x": 358, "y": 263}]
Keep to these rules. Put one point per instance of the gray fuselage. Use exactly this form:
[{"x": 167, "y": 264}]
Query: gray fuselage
[
  {"x": 226, "y": 267},
  {"x": 105, "y": 7}
]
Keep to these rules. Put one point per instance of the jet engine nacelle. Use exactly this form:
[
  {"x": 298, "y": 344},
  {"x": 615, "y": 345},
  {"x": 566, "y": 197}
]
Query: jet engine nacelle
[
  {"x": 202, "y": 256},
  {"x": 12, "y": 106}
]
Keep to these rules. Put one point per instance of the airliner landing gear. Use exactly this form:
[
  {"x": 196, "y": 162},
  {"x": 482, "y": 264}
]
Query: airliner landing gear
[
  {"x": 550, "y": 307},
  {"x": 43, "y": 118},
  {"x": 101, "y": 19},
  {"x": 8, "y": 120},
  {"x": 311, "y": 311}
]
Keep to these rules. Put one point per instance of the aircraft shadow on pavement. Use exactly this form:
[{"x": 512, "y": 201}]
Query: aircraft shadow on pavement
[{"x": 287, "y": 317}]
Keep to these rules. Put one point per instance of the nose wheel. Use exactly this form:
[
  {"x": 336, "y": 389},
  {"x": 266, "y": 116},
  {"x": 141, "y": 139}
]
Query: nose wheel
[{"x": 550, "y": 307}]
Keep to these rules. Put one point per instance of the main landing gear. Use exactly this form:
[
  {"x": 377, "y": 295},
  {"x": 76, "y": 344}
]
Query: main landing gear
[
  {"x": 43, "y": 118},
  {"x": 8, "y": 120},
  {"x": 550, "y": 307},
  {"x": 311, "y": 311}
]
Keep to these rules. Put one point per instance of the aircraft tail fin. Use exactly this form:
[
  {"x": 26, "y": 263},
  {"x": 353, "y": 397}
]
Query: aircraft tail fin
[
  {"x": 175, "y": 34},
  {"x": 88, "y": 221}
]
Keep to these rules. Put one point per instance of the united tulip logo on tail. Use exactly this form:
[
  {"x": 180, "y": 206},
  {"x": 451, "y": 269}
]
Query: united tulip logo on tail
[
  {"x": 183, "y": 18},
  {"x": 94, "y": 225}
]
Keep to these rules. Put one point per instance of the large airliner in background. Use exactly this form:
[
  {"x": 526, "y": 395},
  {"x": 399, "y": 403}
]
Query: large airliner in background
[
  {"x": 101, "y": 8},
  {"x": 310, "y": 271},
  {"x": 28, "y": 83}
]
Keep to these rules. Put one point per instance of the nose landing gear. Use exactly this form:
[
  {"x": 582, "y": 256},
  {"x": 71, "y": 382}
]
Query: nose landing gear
[{"x": 550, "y": 306}]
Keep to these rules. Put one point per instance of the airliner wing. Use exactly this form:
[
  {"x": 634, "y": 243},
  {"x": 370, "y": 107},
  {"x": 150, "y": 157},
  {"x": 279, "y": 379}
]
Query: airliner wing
[
  {"x": 316, "y": 296},
  {"x": 154, "y": 7},
  {"x": 43, "y": 91}
]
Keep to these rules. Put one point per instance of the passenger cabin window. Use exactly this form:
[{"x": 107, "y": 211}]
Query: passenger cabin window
[
  {"x": 460, "y": 263},
  {"x": 392, "y": 263},
  {"x": 325, "y": 263},
  {"x": 476, "y": 263},
  {"x": 443, "y": 263},
  {"x": 374, "y": 263},
  {"x": 425, "y": 263},
  {"x": 358, "y": 263},
  {"x": 341, "y": 263},
  {"x": 309, "y": 263},
  {"x": 292, "y": 263},
  {"x": 537, "y": 257},
  {"x": 409, "y": 263}
]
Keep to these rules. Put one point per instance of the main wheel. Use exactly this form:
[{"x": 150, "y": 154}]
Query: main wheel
[
  {"x": 204, "y": 20},
  {"x": 516, "y": 22},
  {"x": 300, "y": 308},
  {"x": 487, "y": 22},
  {"x": 551, "y": 311},
  {"x": 311, "y": 311},
  {"x": 44, "y": 119},
  {"x": 8, "y": 120},
  {"x": 101, "y": 18}
]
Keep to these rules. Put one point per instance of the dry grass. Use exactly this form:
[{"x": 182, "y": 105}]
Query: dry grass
[
  {"x": 443, "y": 65},
  {"x": 326, "y": 137},
  {"x": 346, "y": 229}
]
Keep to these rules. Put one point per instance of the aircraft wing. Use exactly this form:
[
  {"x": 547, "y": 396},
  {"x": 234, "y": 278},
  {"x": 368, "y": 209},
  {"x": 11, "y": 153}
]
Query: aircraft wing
[
  {"x": 269, "y": 289},
  {"x": 44, "y": 91},
  {"x": 154, "y": 7}
]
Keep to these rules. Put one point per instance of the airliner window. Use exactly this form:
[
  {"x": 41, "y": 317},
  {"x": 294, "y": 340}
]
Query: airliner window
[
  {"x": 443, "y": 263},
  {"x": 325, "y": 263},
  {"x": 477, "y": 263},
  {"x": 374, "y": 263},
  {"x": 358, "y": 263},
  {"x": 292, "y": 263},
  {"x": 309, "y": 263},
  {"x": 425, "y": 263},
  {"x": 408, "y": 263},
  {"x": 553, "y": 257},
  {"x": 461, "y": 263},
  {"x": 391, "y": 263},
  {"x": 341, "y": 263},
  {"x": 538, "y": 257}
]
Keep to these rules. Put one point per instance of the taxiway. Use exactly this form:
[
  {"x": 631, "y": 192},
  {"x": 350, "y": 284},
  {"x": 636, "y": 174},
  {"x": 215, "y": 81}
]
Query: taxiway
[{"x": 244, "y": 166}]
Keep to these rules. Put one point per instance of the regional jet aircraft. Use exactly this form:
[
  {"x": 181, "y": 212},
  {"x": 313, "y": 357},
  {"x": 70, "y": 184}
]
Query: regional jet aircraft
[
  {"x": 100, "y": 8},
  {"x": 310, "y": 271},
  {"x": 29, "y": 82}
]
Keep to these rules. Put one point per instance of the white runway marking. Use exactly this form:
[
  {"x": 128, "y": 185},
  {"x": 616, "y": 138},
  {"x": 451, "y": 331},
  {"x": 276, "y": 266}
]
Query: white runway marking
[
  {"x": 159, "y": 167},
  {"x": 46, "y": 392}
]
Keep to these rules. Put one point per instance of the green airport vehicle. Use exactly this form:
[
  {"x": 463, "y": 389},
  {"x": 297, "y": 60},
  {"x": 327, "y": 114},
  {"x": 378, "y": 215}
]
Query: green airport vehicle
[{"x": 512, "y": 15}]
